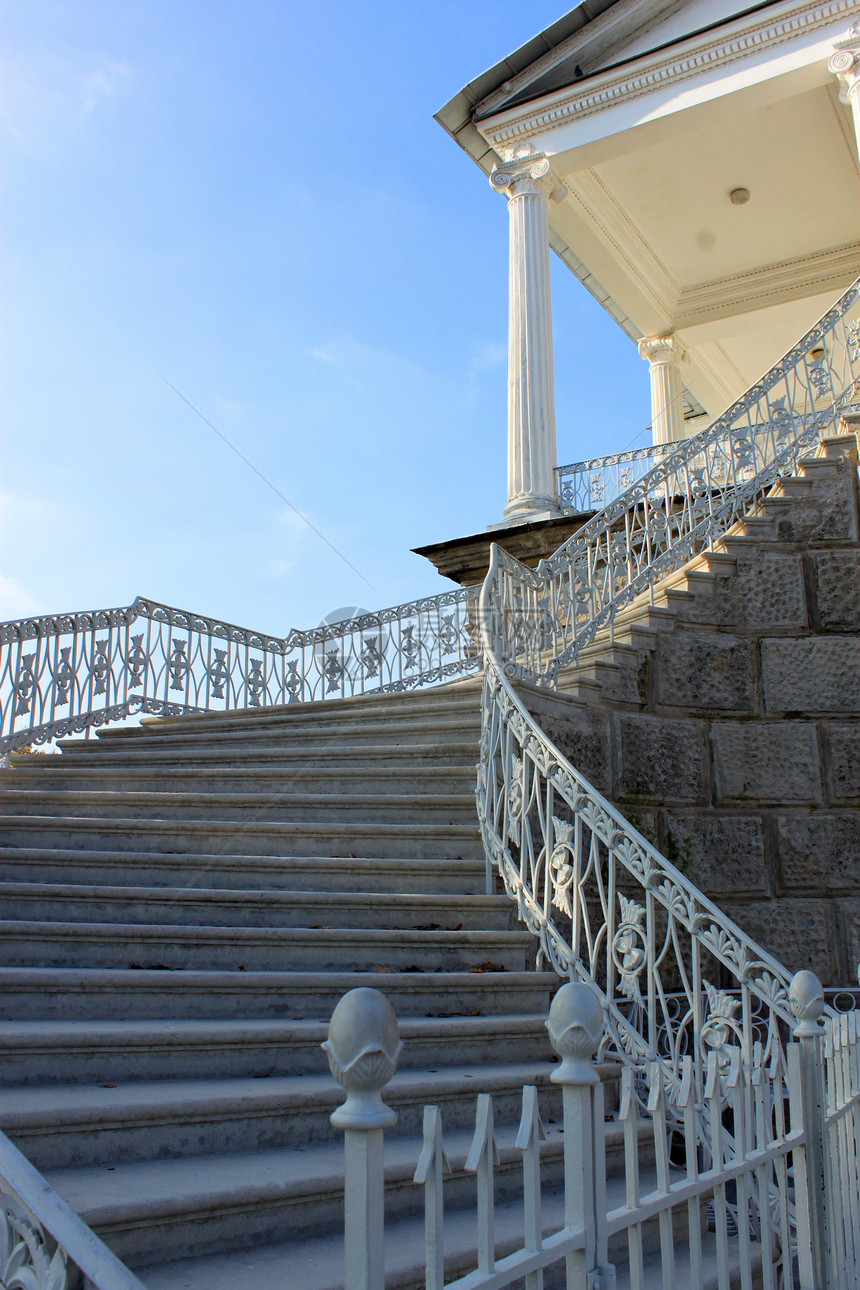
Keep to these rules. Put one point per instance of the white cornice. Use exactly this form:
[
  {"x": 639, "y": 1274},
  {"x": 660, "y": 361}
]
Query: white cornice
[
  {"x": 769, "y": 284},
  {"x": 669, "y": 67},
  {"x": 604, "y": 33}
]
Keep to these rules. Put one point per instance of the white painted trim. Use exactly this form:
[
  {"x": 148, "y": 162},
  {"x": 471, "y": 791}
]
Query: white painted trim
[{"x": 712, "y": 52}]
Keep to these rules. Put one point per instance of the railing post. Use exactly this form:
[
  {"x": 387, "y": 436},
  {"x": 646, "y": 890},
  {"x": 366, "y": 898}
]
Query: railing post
[
  {"x": 806, "y": 1092},
  {"x": 363, "y": 1046},
  {"x": 575, "y": 1026}
]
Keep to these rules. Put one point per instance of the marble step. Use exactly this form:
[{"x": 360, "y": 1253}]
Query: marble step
[
  {"x": 318, "y": 1264},
  {"x": 276, "y": 757},
  {"x": 97, "y": 994},
  {"x": 263, "y": 837},
  {"x": 285, "y": 806},
  {"x": 65, "y": 773},
  {"x": 256, "y": 949},
  {"x": 351, "y": 731},
  {"x": 71, "y": 1125},
  {"x": 414, "y": 707},
  {"x": 85, "y": 1052},
  {"x": 217, "y": 1203},
  {"x": 203, "y": 905},
  {"x": 247, "y": 872}
]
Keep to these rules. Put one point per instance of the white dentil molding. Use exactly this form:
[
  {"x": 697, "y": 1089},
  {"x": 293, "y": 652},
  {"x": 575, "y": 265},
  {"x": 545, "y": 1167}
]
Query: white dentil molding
[
  {"x": 602, "y": 34},
  {"x": 666, "y": 68}
]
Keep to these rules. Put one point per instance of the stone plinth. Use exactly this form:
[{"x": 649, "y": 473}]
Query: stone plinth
[{"x": 466, "y": 559}]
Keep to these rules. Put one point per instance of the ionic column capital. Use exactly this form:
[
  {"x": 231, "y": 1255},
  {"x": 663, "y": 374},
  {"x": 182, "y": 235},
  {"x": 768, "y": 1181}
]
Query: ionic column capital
[
  {"x": 666, "y": 350},
  {"x": 528, "y": 175},
  {"x": 844, "y": 63}
]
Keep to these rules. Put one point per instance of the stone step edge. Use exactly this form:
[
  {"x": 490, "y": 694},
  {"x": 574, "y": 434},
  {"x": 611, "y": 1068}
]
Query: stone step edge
[
  {"x": 338, "y": 799},
  {"x": 210, "y": 980},
  {"x": 243, "y": 895},
  {"x": 191, "y": 1031},
  {"x": 64, "y": 1107},
  {"x": 125, "y": 824},
  {"x": 59, "y": 929},
  {"x": 24, "y": 855},
  {"x": 402, "y": 1155}
]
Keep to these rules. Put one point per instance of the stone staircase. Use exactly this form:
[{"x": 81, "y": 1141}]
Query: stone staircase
[
  {"x": 722, "y": 717},
  {"x": 183, "y": 904}
]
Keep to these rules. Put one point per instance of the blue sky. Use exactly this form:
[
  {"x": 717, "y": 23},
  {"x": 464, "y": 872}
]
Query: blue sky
[{"x": 254, "y": 202}]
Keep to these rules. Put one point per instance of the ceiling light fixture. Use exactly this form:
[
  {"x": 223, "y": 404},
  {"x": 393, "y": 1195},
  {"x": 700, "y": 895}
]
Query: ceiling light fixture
[{"x": 739, "y": 196}]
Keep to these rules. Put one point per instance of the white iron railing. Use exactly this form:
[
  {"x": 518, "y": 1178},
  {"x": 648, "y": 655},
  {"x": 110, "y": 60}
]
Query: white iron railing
[
  {"x": 541, "y": 618},
  {"x": 590, "y": 485},
  {"x": 608, "y": 910},
  {"x": 67, "y": 673},
  {"x": 774, "y": 1203},
  {"x": 605, "y": 906},
  {"x": 44, "y": 1245}
]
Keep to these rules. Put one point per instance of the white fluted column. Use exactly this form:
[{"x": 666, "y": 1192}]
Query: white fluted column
[
  {"x": 528, "y": 183},
  {"x": 844, "y": 63},
  {"x": 665, "y": 354}
]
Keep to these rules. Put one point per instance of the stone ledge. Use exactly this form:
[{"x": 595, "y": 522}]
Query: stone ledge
[{"x": 466, "y": 559}]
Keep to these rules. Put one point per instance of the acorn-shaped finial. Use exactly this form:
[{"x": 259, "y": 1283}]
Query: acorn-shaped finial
[
  {"x": 807, "y": 1002},
  {"x": 575, "y": 1026},
  {"x": 363, "y": 1046}
]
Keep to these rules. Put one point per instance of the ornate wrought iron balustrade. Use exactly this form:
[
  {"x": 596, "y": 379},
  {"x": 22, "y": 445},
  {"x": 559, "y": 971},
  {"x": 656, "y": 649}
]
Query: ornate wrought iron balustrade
[
  {"x": 607, "y": 909},
  {"x": 605, "y": 906},
  {"x": 591, "y": 485},
  {"x": 67, "y": 673},
  {"x": 683, "y": 504}
]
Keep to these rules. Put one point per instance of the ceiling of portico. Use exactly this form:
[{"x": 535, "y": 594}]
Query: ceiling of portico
[
  {"x": 658, "y": 231},
  {"x": 792, "y": 156}
]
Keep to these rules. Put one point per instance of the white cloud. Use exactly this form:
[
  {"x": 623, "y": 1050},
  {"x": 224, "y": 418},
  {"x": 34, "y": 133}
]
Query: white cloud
[
  {"x": 489, "y": 355},
  {"x": 44, "y": 96},
  {"x": 484, "y": 358},
  {"x": 362, "y": 364}
]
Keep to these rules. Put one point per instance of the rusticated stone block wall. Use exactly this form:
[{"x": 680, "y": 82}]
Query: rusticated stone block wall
[{"x": 734, "y": 742}]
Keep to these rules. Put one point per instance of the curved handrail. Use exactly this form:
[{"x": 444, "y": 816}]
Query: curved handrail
[
  {"x": 605, "y": 906},
  {"x": 603, "y": 903},
  {"x": 683, "y": 504}
]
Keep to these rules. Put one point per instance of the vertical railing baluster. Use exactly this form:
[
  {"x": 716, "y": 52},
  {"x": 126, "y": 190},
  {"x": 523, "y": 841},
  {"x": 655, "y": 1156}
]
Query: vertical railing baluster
[
  {"x": 687, "y": 1104},
  {"x": 777, "y": 1076},
  {"x": 762, "y": 1136},
  {"x": 735, "y": 1083},
  {"x": 629, "y": 1117},
  {"x": 713, "y": 1100},
  {"x": 529, "y": 1137},
  {"x": 575, "y": 1026},
  {"x": 430, "y": 1170},
  {"x": 806, "y": 1090},
  {"x": 657, "y": 1108},
  {"x": 483, "y": 1155},
  {"x": 849, "y": 1025}
]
